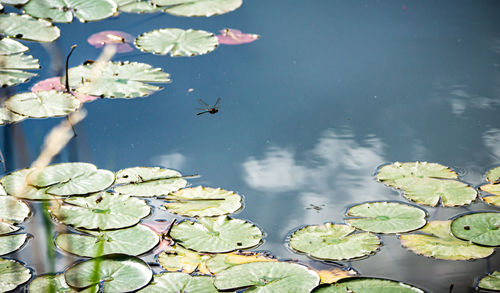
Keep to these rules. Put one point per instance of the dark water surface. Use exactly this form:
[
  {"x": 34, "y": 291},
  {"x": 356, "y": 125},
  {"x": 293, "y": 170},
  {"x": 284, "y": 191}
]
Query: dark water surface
[{"x": 331, "y": 91}]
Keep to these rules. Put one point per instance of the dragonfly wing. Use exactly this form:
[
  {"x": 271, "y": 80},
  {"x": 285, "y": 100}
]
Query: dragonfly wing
[
  {"x": 203, "y": 103},
  {"x": 217, "y": 103}
]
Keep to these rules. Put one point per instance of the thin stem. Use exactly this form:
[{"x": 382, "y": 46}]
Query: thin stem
[{"x": 67, "y": 61}]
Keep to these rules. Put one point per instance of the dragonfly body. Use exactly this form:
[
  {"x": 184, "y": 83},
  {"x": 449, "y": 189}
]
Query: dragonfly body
[{"x": 207, "y": 108}]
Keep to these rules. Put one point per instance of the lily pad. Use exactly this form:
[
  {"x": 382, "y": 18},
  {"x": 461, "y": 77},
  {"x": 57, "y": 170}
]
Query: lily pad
[
  {"x": 101, "y": 211},
  {"x": 7, "y": 116},
  {"x": 10, "y": 243},
  {"x": 180, "y": 282},
  {"x": 396, "y": 174},
  {"x": 429, "y": 191},
  {"x": 493, "y": 189},
  {"x": 386, "y": 217},
  {"x": 202, "y": 202},
  {"x": 148, "y": 182},
  {"x": 177, "y": 42},
  {"x": 220, "y": 262},
  {"x": 132, "y": 241},
  {"x": 12, "y": 69},
  {"x": 481, "y": 228},
  {"x": 438, "y": 242},
  {"x": 216, "y": 235},
  {"x": 12, "y": 274},
  {"x": 273, "y": 277},
  {"x": 14, "y": 2},
  {"x": 43, "y": 104},
  {"x": 9, "y": 46},
  {"x": 177, "y": 258},
  {"x": 27, "y": 28},
  {"x": 333, "y": 275},
  {"x": 490, "y": 282},
  {"x": 63, "y": 10},
  {"x": 12, "y": 211},
  {"x": 493, "y": 175},
  {"x": 199, "y": 7},
  {"x": 117, "y": 80},
  {"x": 333, "y": 242},
  {"x": 137, "y": 6},
  {"x": 120, "y": 40},
  {"x": 54, "y": 83},
  {"x": 230, "y": 36},
  {"x": 56, "y": 283},
  {"x": 117, "y": 272},
  {"x": 368, "y": 285},
  {"x": 16, "y": 184}
]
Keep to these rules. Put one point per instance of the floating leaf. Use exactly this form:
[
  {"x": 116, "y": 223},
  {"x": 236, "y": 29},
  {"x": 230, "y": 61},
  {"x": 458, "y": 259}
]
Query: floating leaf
[
  {"x": 10, "y": 243},
  {"x": 132, "y": 241},
  {"x": 177, "y": 258},
  {"x": 333, "y": 242},
  {"x": 57, "y": 284},
  {"x": 180, "y": 282},
  {"x": 102, "y": 211},
  {"x": 12, "y": 211},
  {"x": 493, "y": 189},
  {"x": 199, "y": 7},
  {"x": 490, "y": 282},
  {"x": 396, "y": 174},
  {"x": 12, "y": 274},
  {"x": 14, "y": 2},
  {"x": 137, "y": 6},
  {"x": 12, "y": 69},
  {"x": 368, "y": 285},
  {"x": 177, "y": 42},
  {"x": 203, "y": 202},
  {"x": 16, "y": 184},
  {"x": 220, "y": 262},
  {"x": 148, "y": 182},
  {"x": 493, "y": 175},
  {"x": 479, "y": 228},
  {"x": 273, "y": 277},
  {"x": 441, "y": 244},
  {"x": 230, "y": 36},
  {"x": 117, "y": 80},
  {"x": 43, "y": 104},
  {"x": 27, "y": 28},
  {"x": 63, "y": 10},
  {"x": 54, "y": 83},
  {"x": 429, "y": 191},
  {"x": 7, "y": 116},
  {"x": 333, "y": 275},
  {"x": 117, "y": 272},
  {"x": 221, "y": 234},
  {"x": 386, "y": 217},
  {"x": 120, "y": 40},
  {"x": 9, "y": 46}
]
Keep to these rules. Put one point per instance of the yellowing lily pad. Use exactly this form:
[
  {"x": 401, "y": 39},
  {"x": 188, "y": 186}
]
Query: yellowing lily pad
[
  {"x": 335, "y": 274},
  {"x": 493, "y": 175},
  {"x": 481, "y": 228},
  {"x": 177, "y": 258},
  {"x": 12, "y": 211},
  {"x": 493, "y": 189},
  {"x": 368, "y": 285}
]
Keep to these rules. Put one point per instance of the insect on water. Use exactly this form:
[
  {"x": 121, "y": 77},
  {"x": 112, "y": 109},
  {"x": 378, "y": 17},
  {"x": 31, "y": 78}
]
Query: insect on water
[{"x": 207, "y": 108}]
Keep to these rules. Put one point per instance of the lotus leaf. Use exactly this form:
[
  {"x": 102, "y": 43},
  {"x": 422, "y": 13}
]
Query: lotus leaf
[
  {"x": 177, "y": 42},
  {"x": 368, "y": 285},
  {"x": 137, "y": 6},
  {"x": 12, "y": 211},
  {"x": 57, "y": 284},
  {"x": 102, "y": 211},
  {"x": 117, "y": 80},
  {"x": 203, "y": 202},
  {"x": 438, "y": 242},
  {"x": 132, "y": 241},
  {"x": 493, "y": 175},
  {"x": 428, "y": 191},
  {"x": 148, "y": 182},
  {"x": 180, "y": 282},
  {"x": 177, "y": 258},
  {"x": 117, "y": 272},
  {"x": 490, "y": 282},
  {"x": 27, "y": 28},
  {"x": 199, "y": 7},
  {"x": 10, "y": 243},
  {"x": 43, "y": 104},
  {"x": 273, "y": 277},
  {"x": 216, "y": 235},
  {"x": 16, "y": 184},
  {"x": 478, "y": 228},
  {"x": 63, "y": 10},
  {"x": 7, "y": 116},
  {"x": 333, "y": 242},
  {"x": 11, "y": 69},
  {"x": 9, "y": 46},
  {"x": 12, "y": 274},
  {"x": 396, "y": 174},
  {"x": 386, "y": 217}
]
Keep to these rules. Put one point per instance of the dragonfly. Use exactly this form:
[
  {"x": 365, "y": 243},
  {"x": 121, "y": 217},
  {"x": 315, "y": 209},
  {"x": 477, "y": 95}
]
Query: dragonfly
[{"x": 207, "y": 108}]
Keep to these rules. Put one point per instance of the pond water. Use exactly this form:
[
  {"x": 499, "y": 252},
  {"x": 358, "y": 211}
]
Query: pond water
[{"x": 330, "y": 92}]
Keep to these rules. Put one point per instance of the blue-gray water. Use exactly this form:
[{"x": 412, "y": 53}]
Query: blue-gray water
[{"x": 331, "y": 90}]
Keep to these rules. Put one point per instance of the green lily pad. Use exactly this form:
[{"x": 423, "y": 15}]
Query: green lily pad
[
  {"x": 493, "y": 175},
  {"x": 386, "y": 217},
  {"x": 27, "y": 28},
  {"x": 137, "y": 6},
  {"x": 132, "y": 241},
  {"x": 12, "y": 211},
  {"x": 9, "y": 46},
  {"x": 12, "y": 69},
  {"x": 148, "y": 182},
  {"x": 490, "y": 282},
  {"x": 180, "y": 282},
  {"x": 7, "y": 116},
  {"x": 63, "y": 10},
  {"x": 43, "y": 104},
  {"x": 12, "y": 274},
  {"x": 117, "y": 272},
  {"x": 273, "y": 277},
  {"x": 396, "y": 174},
  {"x": 58, "y": 173},
  {"x": 203, "y": 202},
  {"x": 333, "y": 242},
  {"x": 215, "y": 235},
  {"x": 177, "y": 42},
  {"x": 429, "y": 191},
  {"x": 438, "y": 242},
  {"x": 56, "y": 283},
  {"x": 368, "y": 285},
  {"x": 16, "y": 184},
  {"x": 14, "y": 2},
  {"x": 101, "y": 211},
  {"x": 199, "y": 7},
  {"x": 480, "y": 228},
  {"x": 10, "y": 243},
  {"x": 117, "y": 80}
]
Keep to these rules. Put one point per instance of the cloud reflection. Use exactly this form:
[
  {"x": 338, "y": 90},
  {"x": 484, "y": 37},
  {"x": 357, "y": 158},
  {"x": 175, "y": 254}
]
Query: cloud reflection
[
  {"x": 491, "y": 139},
  {"x": 171, "y": 161}
]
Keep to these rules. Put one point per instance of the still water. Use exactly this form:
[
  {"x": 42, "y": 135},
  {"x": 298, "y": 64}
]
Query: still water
[{"x": 331, "y": 91}]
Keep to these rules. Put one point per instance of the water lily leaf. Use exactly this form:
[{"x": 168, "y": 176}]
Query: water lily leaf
[
  {"x": 137, "y": 6},
  {"x": 56, "y": 283},
  {"x": 199, "y": 7},
  {"x": 177, "y": 42},
  {"x": 102, "y": 211},
  {"x": 58, "y": 173},
  {"x": 215, "y": 235},
  {"x": 9, "y": 46},
  {"x": 480, "y": 228},
  {"x": 438, "y": 242},
  {"x": 203, "y": 202},
  {"x": 493, "y": 175},
  {"x": 12, "y": 211},
  {"x": 27, "y": 28},
  {"x": 63, "y": 10},
  {"x": 333, "y": 242},
  {"x": 54, "y": 83},
  {"x": 396, "y": 174},
  {"x": 12, "y": 274},
  {"x": 220, "y": 262},
  {"x": 10, "y": 243},
  {"x": 12, "y": 69},
  {"x": 180, "y": 282},
  {"x": 493, "y": 189},
  {"x": 176, "y": 258},
  {"x": 132, "y": 241},
  {"x": 16, "y": 184},
  {"x": 43, "y": 104},
  {"x": 117, "y": 272},
  {"x": 117, "y": 80},
  {"x": 148, "y": 182},
  {"x": 429, "y": 191},
  {"x": 335, "y": 274},
  {"x": 231, "y": 36},
  {"x": 14, "y": 2},
  {"x": 490, "y": 282},
  {"x": 268, "y": 277},
  {"x": 386, "y": 217},
  {"x": 120, "y": 40},
  {"x": 7, "y": 116},
  {"x": 368, "y": 285}
]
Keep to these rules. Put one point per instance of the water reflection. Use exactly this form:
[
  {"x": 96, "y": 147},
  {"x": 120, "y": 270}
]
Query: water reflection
[{"x": 172, "y": 161}]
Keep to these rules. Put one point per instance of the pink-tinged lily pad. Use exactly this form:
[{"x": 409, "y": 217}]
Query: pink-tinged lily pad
[
  {"x": 120, "y": 40},
  {"x": 231, "y": 36},
  {"x": 54, "y": 83}
]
